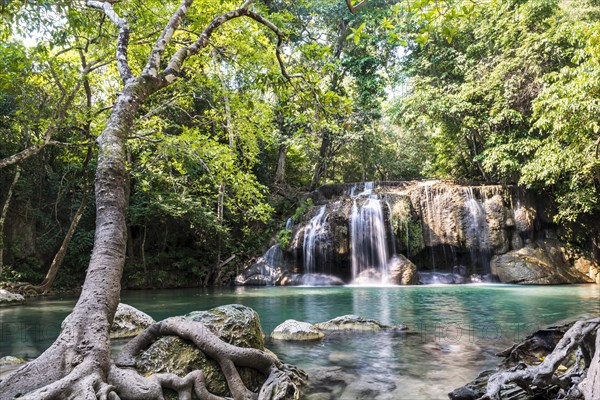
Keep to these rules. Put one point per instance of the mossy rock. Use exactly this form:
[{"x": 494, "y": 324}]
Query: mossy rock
[{"x": 234, "y": 324}]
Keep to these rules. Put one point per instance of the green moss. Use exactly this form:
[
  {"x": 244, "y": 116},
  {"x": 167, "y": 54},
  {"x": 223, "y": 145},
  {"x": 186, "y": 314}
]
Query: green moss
[{"x": 407, "y": 227}]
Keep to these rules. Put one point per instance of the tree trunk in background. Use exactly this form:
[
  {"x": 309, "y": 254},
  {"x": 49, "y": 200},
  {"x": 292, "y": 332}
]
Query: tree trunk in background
[
  {"x": 281, "y": 164},
  {"x": 279, "y": 178},
  {"x": 321, "y": 165},
  {"x": 5, "y": 213},
  {"x": 62, "y": 251}
]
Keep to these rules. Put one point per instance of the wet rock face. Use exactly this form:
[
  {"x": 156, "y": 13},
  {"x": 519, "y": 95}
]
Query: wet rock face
[
  {"x": 235, "y": 324},
  {"x": 588, "y": 267},
  {"x": 296, "y": 330},
  {"x": 129, "y": 322},
  {"x": 539, "y": 263},
  {"x": 8, "y": 298},
  {"x": 436, "y": 226}
]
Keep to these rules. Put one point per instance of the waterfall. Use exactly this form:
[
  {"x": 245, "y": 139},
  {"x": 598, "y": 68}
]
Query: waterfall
[
  {"x": 289, "y": 224},
  {"x": 273, "y": 260},
  {"x": 476, "y": 231},
  {"x": 391, "y": 229},
  {"x": 429, "y": 222},
  {"x": 368, "y": 236},
  {"x": 315, "y": 230}
]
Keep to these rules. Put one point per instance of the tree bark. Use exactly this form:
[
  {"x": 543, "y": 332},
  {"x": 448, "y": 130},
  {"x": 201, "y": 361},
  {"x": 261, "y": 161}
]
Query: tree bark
[
  {"x": 321, "y": 165},
  {"x": 83, "y": 347},
  {"x": 281, "y": 164},
  {"x": 9, "y": 195}
]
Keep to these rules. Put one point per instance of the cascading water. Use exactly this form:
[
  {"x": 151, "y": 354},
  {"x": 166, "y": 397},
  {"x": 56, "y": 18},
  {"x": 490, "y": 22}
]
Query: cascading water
[
  {"x": 368, "y": 236},
  {"x": 477, "y": 232},
  {"x": 315, "y": 230}
]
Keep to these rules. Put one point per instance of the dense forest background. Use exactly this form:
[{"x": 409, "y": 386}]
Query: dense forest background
[{"x": 498, "y": 91}]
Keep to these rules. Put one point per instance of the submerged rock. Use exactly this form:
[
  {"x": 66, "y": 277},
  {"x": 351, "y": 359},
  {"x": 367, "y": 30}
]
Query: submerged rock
[
  {"x": 327, "y": 383},
  {"x": 129, "y": 322},
  {"x": 10, "y": 360},
  {"x": 7, "y": 298},
  {"x": 355, "y": 323},
  {"x": 542, "y": 262},
  {"x": 234, "y": 324},
  {"x": 296, "y": 330},
  {"x": 316, "y": 280},
  {"x": 445, "y": 278}
]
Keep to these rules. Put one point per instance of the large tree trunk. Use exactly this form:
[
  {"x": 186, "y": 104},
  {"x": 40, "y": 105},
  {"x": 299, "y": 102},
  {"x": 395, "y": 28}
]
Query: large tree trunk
[
  {"x": 321, "y": 165},
  {"x": 5, "y": 213},
  {"x": 83, "y": 347}
]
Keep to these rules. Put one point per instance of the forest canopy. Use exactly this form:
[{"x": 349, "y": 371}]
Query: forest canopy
[{"x": 498, "y": 91}]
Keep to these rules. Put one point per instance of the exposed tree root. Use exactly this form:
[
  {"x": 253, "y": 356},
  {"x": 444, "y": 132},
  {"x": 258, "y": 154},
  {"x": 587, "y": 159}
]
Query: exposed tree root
[
  {"x": 119, "y": 381},
  {"x": 580, "y": 340}
]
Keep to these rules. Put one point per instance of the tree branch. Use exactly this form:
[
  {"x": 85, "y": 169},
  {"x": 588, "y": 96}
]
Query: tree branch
[
  {"x": 356, "y": 7},
  {"x": 122, "y": 39},
  {"x": 280, "y": 40},
  {"x": 173, "y": 69},
  {"x": 151, "y": 68}
]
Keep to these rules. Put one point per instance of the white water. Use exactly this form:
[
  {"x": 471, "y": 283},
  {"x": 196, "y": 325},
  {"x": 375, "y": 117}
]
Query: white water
[
  {"x": 476, "y": 230},
  {"x": 368, "y": 236},
  {"x": 315, "y": 229}
]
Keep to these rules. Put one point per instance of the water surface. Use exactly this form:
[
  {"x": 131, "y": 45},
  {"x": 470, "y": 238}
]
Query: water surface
[{"x": 455, "y": 330}]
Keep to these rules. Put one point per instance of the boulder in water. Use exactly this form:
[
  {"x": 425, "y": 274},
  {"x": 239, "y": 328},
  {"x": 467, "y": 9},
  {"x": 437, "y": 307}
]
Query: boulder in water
[
  {"x": 9, "y": 298},
  {"x": 402, "y": 271},
  {"x": 369, "y": 276},
  {"x": 129, "y": 322},
  {"x": 296, "y": 330},
  {"x": 355, "y": 323},
  {"x": 316, "y": 280},
  {"x": 444, "y": 278},
  {"x": 234, "y": 324}
]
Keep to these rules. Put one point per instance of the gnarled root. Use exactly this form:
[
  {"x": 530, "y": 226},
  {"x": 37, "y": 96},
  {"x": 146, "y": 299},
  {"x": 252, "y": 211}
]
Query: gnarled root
[
  {"x": 580, "y": 339},
  {"x": 92, "y": 378},
  {"x": 281, "y": 377}
]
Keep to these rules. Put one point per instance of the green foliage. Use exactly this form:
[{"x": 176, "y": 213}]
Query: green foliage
[
  {"x": 284, "y": 238},
  {"x": 512, "y": 98},
  {"x": 304, "y": 207}
]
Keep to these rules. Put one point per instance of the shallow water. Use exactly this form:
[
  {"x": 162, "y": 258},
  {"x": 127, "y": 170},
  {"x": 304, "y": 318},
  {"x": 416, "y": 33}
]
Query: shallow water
[{"x": 455, "y": 330}]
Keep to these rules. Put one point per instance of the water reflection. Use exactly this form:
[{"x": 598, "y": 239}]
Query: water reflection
[{"x": 454, "y": 330}]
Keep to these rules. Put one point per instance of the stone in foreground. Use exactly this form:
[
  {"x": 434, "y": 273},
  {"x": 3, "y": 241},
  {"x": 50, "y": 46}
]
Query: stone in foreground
[
  {"x": 296, "y": 330},
  {"x": 129, "y": 322},
  {"x": 234, "y": 324}
]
